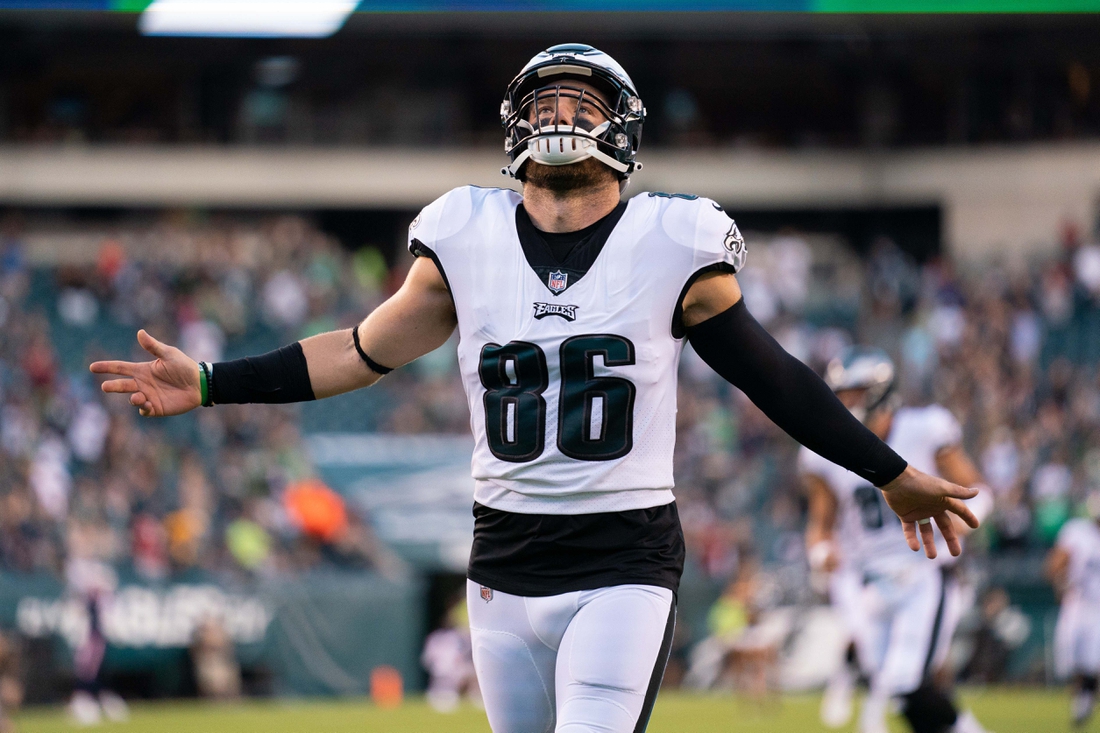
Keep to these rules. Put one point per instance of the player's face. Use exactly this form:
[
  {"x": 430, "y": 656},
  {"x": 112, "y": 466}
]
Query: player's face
[
  {"x": 572, "y": 103},
  {"x": 851, "y": 398}
]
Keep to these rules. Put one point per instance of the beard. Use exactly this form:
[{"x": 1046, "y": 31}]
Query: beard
[{"x": 566, "y": 180}]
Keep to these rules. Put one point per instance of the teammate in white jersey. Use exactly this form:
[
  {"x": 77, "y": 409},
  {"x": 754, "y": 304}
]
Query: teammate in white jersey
[
  {"x": 572, "y": 308},
  {"x": 1074, "y": 567},
  {"x": 901, "y": 612}
]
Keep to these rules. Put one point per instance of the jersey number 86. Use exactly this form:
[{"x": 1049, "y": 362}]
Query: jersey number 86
[{"x": 595, "y": 414}]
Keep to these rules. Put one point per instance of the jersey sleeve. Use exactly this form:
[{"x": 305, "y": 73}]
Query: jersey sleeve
[
  {"x": 717, "y": 239},
  {"x": 704, "y": 227},
  {"x": 439, "y": 220}
]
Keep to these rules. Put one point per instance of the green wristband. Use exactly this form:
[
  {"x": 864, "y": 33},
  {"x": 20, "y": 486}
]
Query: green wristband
[{"x": 204, "y": 387}]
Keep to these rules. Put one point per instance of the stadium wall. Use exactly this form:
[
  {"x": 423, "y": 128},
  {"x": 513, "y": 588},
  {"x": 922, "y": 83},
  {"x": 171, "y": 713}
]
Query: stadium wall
[{"x": 996, "y": 200}]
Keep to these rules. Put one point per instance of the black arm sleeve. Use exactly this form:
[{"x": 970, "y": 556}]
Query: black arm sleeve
[
  {"x": 736, "y": 346},
  {"x": 278, "y": 376}
]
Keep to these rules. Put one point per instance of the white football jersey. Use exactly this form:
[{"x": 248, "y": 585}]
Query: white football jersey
[
  {"x": 868, "y": 532},
  {"x": 572, "y": 385},
  {"x": 1081, "y": 539}
]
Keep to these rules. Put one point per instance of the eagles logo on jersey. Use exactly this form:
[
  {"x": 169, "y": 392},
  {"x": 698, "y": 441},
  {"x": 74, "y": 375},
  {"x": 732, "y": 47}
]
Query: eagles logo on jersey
[{"x": 734, "y": 241}]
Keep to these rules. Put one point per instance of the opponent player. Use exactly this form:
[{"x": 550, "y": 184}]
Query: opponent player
[
  {"x": 572, "y": 308},
  {"x": 901, "y": 614},
  {"x": 1074, "y": 568}
]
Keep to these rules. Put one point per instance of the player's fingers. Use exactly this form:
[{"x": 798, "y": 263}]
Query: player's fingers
[
  {"x": 146, "y": 410},
  {"x": 125, "y": 368},
  {"x": 137, "y": 399},
  {"x": 120, "y": 385},
  {"x": 963, "y": 511},
  {"x": 947, "y": 529},
  {"x": 958, "y": 492},
  {"x": 928, "y": 539},
  {"x": 910, "y": 530},
  {"x": 150, "y": 344}
]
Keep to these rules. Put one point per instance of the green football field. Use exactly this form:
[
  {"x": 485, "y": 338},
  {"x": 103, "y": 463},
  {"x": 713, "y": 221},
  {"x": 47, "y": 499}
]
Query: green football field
[{"x": 1002, "y": 710}]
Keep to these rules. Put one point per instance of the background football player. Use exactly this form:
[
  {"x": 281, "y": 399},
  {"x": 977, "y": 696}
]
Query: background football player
[
  {"x": 572, "y": 307},
  {"x": 1074, "y": 568},
  {"x": 901, "y": 612}
]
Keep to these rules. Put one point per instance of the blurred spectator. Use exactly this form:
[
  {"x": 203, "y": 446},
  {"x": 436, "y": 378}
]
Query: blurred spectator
[
  {"x": 1001, "y": 628},
  {"x": 1050, "y": 493},
  {"x": 93, "y": 584},
  {"x": 316, "y": 510},
  {"x": 217, "y": 673},
  {"x": 11, "y": 682},
  {"x": 1086, "y": 266},
  {"x": 741, "y": 650},
  {"x": 448, "y": 659}
]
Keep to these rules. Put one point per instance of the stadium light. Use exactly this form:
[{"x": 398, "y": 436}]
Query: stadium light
[{"x": 251, "y": 18}]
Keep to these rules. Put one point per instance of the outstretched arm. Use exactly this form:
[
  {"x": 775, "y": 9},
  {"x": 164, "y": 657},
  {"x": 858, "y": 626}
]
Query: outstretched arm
[
  {"x": 730, "y": 340},
  {"x": 417, "y": 319}
]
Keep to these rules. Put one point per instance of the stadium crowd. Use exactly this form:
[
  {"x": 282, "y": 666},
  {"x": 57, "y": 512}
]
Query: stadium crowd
[{"x": 232, "y": 490}]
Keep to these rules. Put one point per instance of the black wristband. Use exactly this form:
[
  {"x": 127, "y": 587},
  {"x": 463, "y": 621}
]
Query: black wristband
[
  {"x": 277, "y": 377},
  {"x": 733, "y": 344},
  {"x": 371, "y": 363}
]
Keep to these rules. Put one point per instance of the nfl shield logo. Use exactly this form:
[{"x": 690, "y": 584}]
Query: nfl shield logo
[
  {"x": 486, "y": 594},
  {"x": 556, "y": 281}
]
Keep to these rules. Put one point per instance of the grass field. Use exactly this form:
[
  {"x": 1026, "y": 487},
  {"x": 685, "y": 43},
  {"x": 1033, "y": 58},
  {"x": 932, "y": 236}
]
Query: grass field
[{"x": 1002, "y": 710}]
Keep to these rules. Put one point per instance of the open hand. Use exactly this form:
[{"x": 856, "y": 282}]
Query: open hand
[
  {"x": 914, "y": 496},
  {"x": 168, "y": 385}
]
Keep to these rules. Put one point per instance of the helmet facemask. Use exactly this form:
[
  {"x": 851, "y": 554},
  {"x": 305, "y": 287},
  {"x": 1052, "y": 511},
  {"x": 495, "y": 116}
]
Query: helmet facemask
[{"x": 562, "y": 124}]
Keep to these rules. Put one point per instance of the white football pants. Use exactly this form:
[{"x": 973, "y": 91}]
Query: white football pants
[
  {"x": 912, "y": 615},
  {"x": 583, "y": 662},
  {"x": 1077, "y": 639}
]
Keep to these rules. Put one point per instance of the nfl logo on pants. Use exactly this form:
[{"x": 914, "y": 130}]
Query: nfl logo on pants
[
  {"x": 486, "y": 594},
  {"x": 556, "y": 281}
]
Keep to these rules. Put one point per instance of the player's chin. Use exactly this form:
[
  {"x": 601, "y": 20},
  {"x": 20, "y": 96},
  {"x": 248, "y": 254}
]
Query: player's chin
[{"x": 565, "y": 179}]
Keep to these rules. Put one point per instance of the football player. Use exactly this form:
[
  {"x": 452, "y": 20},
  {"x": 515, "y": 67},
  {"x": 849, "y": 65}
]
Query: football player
[
  {"x": 572, "y": 307},
  {"x": 900, "y": 613},
  {"x": 1074, "y": 568}
]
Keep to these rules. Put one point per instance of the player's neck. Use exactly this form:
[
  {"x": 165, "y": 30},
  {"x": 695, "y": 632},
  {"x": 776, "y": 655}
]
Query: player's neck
[{"x": 553, "y": 211}]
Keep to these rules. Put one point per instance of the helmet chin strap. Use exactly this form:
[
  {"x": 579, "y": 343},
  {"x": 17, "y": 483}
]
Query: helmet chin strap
[{"x": 564, "y": 149}]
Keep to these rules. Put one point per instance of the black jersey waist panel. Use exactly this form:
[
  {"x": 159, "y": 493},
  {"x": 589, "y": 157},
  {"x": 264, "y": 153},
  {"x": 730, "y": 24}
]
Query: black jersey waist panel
[{"x": 548, "y": 554}]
